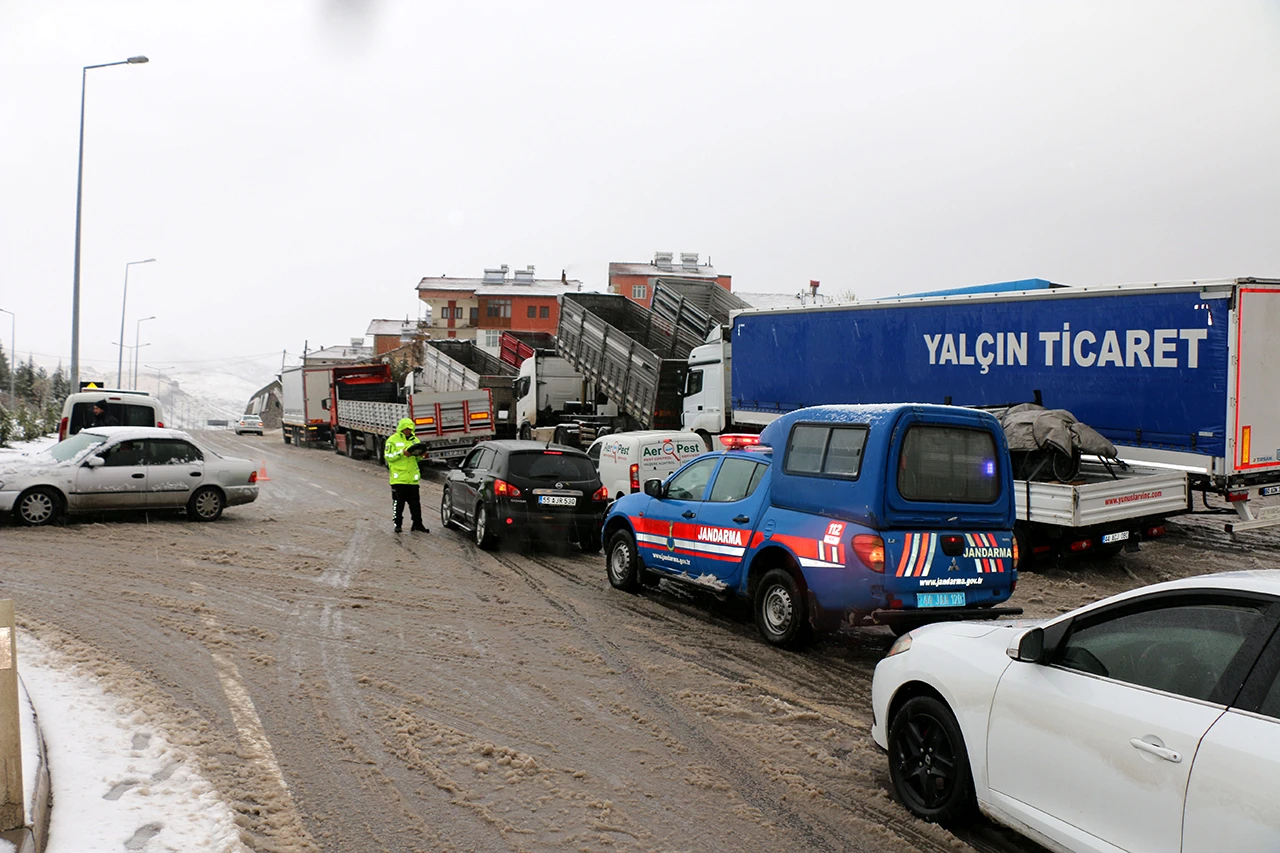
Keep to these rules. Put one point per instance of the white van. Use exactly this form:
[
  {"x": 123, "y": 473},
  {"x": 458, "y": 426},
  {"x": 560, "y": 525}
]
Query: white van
[
  {"x": 626, "y": 459},
  {"x": 125, "y": 408}
]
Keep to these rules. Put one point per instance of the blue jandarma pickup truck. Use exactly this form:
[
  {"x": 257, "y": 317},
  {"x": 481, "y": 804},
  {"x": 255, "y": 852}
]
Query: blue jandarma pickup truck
[{"x": 898, "y": 514}]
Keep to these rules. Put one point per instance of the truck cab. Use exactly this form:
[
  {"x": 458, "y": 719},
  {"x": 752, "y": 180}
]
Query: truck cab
[
  {"x": 897, "y": 515},
  {"x": 541, "y": 389}
]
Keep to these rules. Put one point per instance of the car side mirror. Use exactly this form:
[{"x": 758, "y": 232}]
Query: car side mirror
[
  {"x": 1029, "y": 647},
  {"x": 95, "y": 461},
  {"x": 653, "y": 488}
]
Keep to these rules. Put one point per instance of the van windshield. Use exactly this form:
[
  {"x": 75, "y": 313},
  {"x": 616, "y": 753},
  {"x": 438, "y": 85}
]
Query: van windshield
[
  {"x": 943, "y": 464},
  {"x": 552, "y": 465},
  {"x": 74, "y": 446}
]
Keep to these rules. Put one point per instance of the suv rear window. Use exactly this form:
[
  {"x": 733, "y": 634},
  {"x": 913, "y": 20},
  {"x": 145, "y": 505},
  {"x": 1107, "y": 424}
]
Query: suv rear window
[
  {"x": 551, "y": 466},
  {"x": 126, "y": 414},
  {"x": 945, "y": 464},
  {"x": 826, "y": 451}
]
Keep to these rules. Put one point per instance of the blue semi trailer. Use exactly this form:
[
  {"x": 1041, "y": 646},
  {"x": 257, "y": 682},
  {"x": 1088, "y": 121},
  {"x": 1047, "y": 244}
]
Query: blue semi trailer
[{"x": 1184, "y": 377}]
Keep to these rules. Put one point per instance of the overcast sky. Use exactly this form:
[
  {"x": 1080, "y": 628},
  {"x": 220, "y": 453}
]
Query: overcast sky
[{"x": 297, "y": 167}]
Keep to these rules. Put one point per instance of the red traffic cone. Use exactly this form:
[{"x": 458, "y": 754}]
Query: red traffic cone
[{"x": 262, "y": 472}]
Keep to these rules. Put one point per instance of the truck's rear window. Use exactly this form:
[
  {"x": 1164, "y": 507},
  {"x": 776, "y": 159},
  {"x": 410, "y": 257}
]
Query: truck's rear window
[
  {"x": 552, "y": 466},
  {"x": 945, "y": 464},
  {"x": 824, "y": 450}
]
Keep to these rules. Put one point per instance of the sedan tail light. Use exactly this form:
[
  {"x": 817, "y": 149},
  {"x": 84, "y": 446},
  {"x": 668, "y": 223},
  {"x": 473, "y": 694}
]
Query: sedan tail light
[
  {"x": 502, "y": 487},
  {"x": 253, "y": 477}
]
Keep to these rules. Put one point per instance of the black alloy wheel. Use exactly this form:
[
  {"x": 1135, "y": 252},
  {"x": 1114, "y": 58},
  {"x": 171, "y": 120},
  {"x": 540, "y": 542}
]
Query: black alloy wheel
[
  {"x": 928, "y": 762},
  {"x": 486, "y": 539}
]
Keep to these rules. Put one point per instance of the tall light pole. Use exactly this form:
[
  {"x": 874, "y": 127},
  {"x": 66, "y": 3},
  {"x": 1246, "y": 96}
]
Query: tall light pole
[
  {"x": 13, "y": 348},
  {"x": 75, "y": 287},
  {"x": 157, "y": 370},
  {"x": 123, "y": 302},
  {"x": 136, "y": 346}
]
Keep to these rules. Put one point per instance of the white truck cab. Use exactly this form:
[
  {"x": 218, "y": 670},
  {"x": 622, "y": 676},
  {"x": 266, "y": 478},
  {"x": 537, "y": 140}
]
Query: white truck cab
[{"x": 541, "y": 389}]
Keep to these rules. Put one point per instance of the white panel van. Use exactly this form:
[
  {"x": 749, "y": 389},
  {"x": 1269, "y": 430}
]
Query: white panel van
[{"x": 626, "y": 459}]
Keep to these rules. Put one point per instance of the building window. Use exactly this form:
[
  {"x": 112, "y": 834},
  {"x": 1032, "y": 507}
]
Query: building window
[
  {"x": 498, "y": 308},
  {"x": 533, "y": 312},
  {"x": 639, "y": 291},
  {"x": 475, "y": 316},
  {"x": 544, "y": 312},
  {"x": 492, "y": 338}
]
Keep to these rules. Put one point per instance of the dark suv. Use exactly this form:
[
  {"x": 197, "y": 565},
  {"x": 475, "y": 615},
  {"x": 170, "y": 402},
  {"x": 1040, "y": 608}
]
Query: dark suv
[{"x": 505, "y": 486}]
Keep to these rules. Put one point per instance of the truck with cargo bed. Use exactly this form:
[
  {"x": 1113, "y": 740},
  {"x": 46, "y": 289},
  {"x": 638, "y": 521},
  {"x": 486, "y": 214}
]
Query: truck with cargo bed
[
  {"x": 366, "y": 405},
  {"x": 304, "y": 418},
  {"x": 458, "y": 365},
  {"x": 1177, "y": 375}
]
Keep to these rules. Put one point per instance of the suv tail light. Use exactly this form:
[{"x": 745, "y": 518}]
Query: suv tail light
[
  {"x": 602, "y": 493},
  {"x": 870, "y": 550},
  {"x": 502, "y": 487},
  {"x": 1015, "y": 554},
  {"x": 160, "y": 424},
  {"x": 635, "y": 477}
]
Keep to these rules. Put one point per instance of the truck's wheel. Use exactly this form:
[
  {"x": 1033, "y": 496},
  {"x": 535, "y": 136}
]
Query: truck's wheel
[
  {"x": 526, "y": 432},
  {"x": 928, "y": 762},
  {"x": 622, "y": 562},
  {"x": 780, "y": 610},
  {"x": 285, "y": 433},
  {"x": 706, "y": 438},
  {"x": 486, "y": 539},
  {"x": 1026, "y": 554}
]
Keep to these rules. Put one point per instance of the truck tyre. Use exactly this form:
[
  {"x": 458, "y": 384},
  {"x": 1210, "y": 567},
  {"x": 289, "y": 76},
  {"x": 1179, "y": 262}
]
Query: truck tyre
[
  {"x": 39, "y": 506},
  {"x": 1026, "y": 554},
  {"x": 284, "y": 433},
  {"x": 780, "y": 610},
  {"x": 486, "y": 539},
  {"x": 928, "y": 762},
  {"x": 622, "y": 562},
  {"x": 589, "y": 537},
  {"x": 706, "y": 438},
  {"x": 526, "y": 432}
]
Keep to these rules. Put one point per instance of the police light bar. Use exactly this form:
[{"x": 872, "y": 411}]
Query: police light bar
[{"x": 736, "y": 441}]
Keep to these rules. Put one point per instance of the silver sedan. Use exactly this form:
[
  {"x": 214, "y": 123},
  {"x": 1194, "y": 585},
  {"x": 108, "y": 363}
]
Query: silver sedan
[{"x": 124, "y": 468}]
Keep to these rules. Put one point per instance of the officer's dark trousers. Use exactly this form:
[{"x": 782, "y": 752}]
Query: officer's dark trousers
[{"x": 401, "y": 494}]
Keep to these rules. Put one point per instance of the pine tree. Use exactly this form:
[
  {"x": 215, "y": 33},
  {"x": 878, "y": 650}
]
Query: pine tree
[{"x": 26, "y": 380}]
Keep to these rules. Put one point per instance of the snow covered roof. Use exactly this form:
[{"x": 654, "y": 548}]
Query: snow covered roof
[
  {"x": 347, "y": 353},
  {"x": 391, "y": 327},
  {"x": 500, "y": 286},
  {"x": 673, "y": 269},
  {"x": 774, "y": 301}
]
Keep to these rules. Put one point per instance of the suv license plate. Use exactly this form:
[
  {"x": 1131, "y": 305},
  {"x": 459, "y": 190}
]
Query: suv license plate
[
  {"x": 940, "y": 599},
  {"x": 557, "y": 500},
  {"x": 1115, "y": 537}
]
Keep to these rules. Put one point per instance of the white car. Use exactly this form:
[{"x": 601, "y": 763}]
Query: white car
[
  {"x": 249, "y": 423},
  {"x": 113, "y": 468},
  {"x": 1149, "y": 721}
]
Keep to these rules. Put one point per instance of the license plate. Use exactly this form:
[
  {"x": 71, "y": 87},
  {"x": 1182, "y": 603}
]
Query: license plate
[
  {"x": 1108, "y": 538},
  {"x": 1270, "y": 490},
  {"x": 940, "y": 599},
  {"x": 557, "y": 500}
]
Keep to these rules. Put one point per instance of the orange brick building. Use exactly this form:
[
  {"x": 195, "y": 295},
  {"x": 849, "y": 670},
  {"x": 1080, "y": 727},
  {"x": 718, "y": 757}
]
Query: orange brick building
[
  {"x": 481, "y": 309},
  {"x": 636, "y": 281}
]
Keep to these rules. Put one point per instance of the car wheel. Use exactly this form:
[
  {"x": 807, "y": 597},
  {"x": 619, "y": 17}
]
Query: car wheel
[
  {"x": 206, "y": 504},
  {"x": 928, "y": 762},
  {"x": 622, "y": 562},
  {"x": 446, "y": 509},
  {"x": 780, "y": 610},
  {"x": 38, "y": 506},
  {"x": 589, "y": 537},
  {"x": 486, "y": 539}
]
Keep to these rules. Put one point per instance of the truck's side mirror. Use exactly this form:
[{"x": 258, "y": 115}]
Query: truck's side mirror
[
  {"x": 324, "y": 404},
  {"x": 1028, "y": 648},
  {"x": 653, "y": 488}
]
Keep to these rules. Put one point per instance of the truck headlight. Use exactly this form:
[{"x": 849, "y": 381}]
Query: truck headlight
[{"x": 900, "y": 645}]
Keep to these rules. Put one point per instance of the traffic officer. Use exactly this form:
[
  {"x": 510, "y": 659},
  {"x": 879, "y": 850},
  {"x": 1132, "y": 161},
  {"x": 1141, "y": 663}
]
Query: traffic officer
[{"x": 404, "y": 474}]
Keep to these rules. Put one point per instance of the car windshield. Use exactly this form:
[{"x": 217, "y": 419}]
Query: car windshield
[
  {"x": 75, "y": 445},
  {"x": 552, "y": 465}
]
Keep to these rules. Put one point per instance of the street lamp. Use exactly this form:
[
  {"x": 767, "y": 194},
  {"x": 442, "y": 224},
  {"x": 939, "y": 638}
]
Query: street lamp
[
  {"x": 75, "y": 287},
  {"x": 136, "y": 335},
  {"x": 124, "y": 301},
  {"x": 157, "y": 370},
  {"x": 13, "y": 351}
]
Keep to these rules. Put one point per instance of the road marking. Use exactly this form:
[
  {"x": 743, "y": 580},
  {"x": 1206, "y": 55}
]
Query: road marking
[{"x": 252, "y": 735}]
